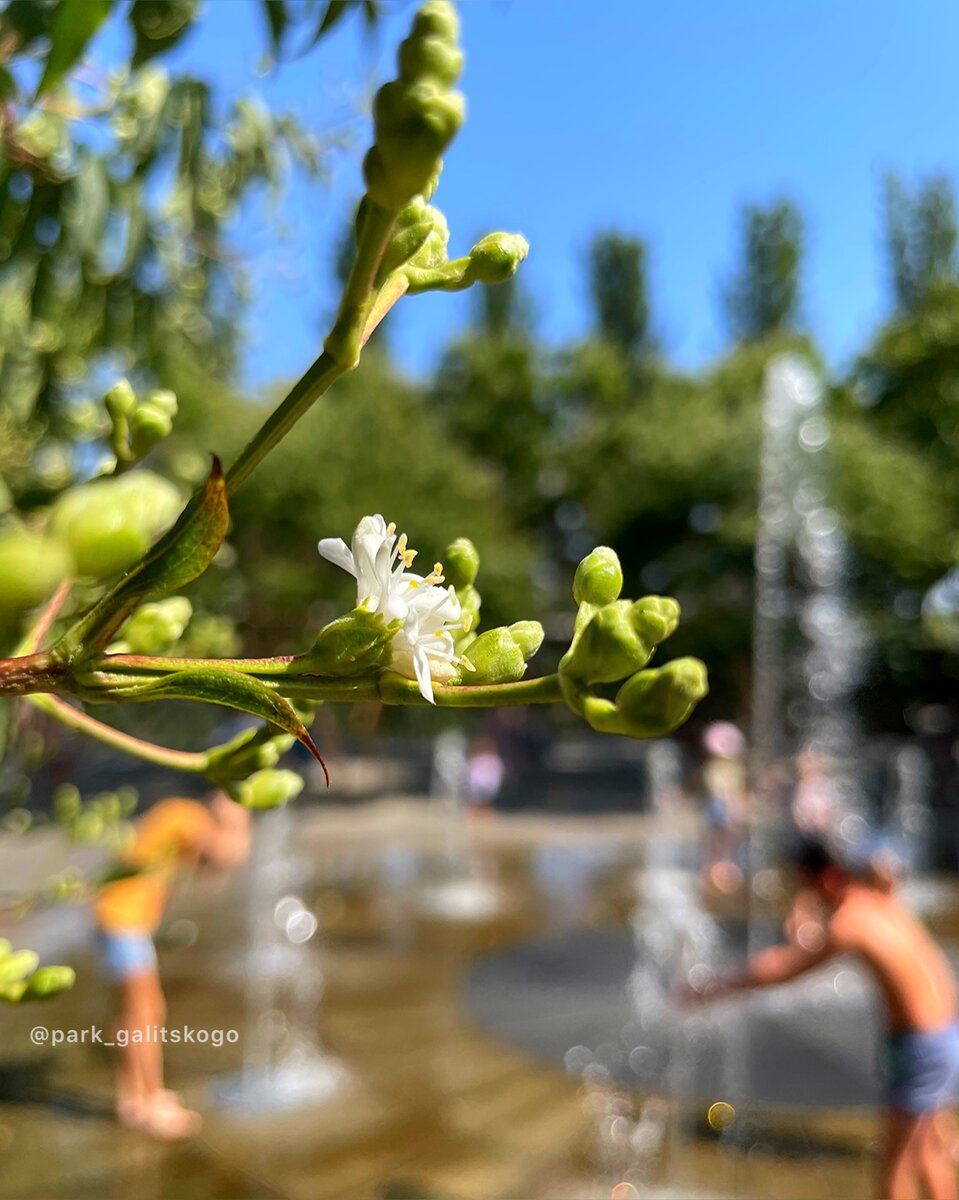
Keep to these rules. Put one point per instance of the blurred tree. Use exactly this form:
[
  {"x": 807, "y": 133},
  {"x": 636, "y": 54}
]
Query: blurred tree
[
  {"x": 487, "y": 391},
  {"x": 762, "y": 298},
  {"x": 618, "y": 288},
  {"x": 920, "y": 239}
]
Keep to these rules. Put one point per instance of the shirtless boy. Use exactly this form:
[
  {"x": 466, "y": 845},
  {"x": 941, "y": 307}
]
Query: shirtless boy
[
  {"x": 841, "y": 910},
  {"x": 173, "y": 833}
]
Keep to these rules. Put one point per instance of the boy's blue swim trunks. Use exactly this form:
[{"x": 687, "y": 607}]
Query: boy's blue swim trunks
[
  {"x": 125, "y": 954},
  {"x": 922, "y": 1069}
]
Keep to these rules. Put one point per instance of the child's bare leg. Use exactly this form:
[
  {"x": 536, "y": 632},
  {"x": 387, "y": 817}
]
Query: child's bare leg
[
  {"x": 899, "y": 1168},
  {"x": 935, "y": 1160},
  {"x": 947, "y": 1127},
  {"x": 142, "y": 1011}
]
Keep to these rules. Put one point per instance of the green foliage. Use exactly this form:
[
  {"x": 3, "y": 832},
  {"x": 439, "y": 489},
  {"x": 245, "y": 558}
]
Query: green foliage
[
  {"x": 23, "y": 979},
  {"x": 762, "y": 298},
  {"x": 618, "y": 286},
  {"x": 920, "y": 239}
]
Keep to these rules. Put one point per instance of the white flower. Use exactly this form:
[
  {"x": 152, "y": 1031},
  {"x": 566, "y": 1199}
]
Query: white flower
[
  {"x": 423, "y": 646},
  {"x": 379, "y": 562}
]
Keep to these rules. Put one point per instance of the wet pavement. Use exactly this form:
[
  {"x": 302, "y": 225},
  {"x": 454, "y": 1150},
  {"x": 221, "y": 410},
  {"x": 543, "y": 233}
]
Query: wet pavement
[{"x": 450, "y": 1032}]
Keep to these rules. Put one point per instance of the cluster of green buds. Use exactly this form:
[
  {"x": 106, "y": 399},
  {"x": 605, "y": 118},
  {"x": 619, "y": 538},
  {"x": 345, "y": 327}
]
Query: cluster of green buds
[
  {"x": 401, "y": 239},
  {"x": 137, "y": 425},
  {"x": 104, "y": 818},
  {"x": 613, "y": 640},
  {"x": 270, "y": 788},
  {"x": 417, "y": 115},
  {"x": 23, "y": 979},
  {"x": 155, "y": 627},
  {"x": 107, "y": 524}
]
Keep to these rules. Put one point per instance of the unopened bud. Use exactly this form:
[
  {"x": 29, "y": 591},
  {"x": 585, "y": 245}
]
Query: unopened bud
[
  {"x": 148, "y": 425},
  {"x": 268, "y": 789},
  {"x": 461, "y": 563},
  {"x": 18, "y": 965},
  {"x": 599, "y": 577},
  {"x": 653, "y": 703},
  {"x": 619, "y": 639},
  {"x": 164, "y": 400},
  {"x": 356, "y": 644},
  {"x": 500, "y": 655},
  {"x": 48, "y": 982},
  {"x": 496, "y": 258},
  {"x": 120, "y": 400},
  {"x": 156, "y": 627}
]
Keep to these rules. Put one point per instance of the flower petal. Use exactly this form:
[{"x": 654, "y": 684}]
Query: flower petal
[
  {"x": 336, "y": 551},
  {"x": 421, "y": 665}
]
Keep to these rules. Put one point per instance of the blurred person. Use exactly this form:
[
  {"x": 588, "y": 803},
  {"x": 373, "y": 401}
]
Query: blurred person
[
  {"x": 173, "y": 834},
  {"x": 485, "y": 773},
  {"x": 724, "y": 782},
  {"x": 845, "y": 907},
  {"x": 815, "y": 804}
]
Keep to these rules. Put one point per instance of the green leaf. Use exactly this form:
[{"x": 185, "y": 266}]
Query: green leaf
[
  {"x": 179, "y": 557},
  {"x": 159, "y": 24},
  {"x": 220, "y": 685},
  {"x": 73, "y": 24},
  {"x": 85, "y": 210},
  {"x": 334, "y": 11},
  {"x": 277, "y": 20}
]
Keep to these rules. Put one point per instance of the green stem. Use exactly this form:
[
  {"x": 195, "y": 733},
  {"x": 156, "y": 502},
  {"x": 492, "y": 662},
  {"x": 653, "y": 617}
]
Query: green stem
[
  {"x": 113, "y": 671},
  {"x": 304, "y": 393},
  {"x": 346, "y": 337},
  {"x": 361, "y": 310},
  {"x": 162, "y": 756},
  {"x": 30, "y": 673},
  {"x": 394, "y": 689}
]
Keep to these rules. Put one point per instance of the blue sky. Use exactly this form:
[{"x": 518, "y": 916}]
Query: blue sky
[{"x": 655, "y": 119}]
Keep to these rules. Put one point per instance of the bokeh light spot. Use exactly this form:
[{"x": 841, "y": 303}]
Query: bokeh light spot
[{"x": 721, "y": 1115}]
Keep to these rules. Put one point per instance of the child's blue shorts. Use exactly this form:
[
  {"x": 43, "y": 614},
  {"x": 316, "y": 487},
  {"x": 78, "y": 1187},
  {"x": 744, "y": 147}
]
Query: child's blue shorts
[
  {"x": 125, "y": 954},
  {"x": 922, "y": 1069}
]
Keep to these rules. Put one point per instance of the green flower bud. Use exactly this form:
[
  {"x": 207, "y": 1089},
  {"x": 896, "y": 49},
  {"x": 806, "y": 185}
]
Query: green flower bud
[
  {"x": 109, "y": 523},
  {"x": 414, "y": 226},
  {"x": 48, "y": 982},
  {"x": 599, "y": 577},
  {"x": 461, "y": 563},
  {"x": 432, "y": 254},
  {"x": 148, "y": 425},
  {"x": 356, "y": 644},
  {"x": 437, "y": 19},
  {"x": 654, "y": 703},
  {"x": 89, "y": 826},
  {"x": 156, "y": 626},
  {"x": 496, "y": 258},
  {"x": 268, "y": 789},
  {"x": 500, "y": 655},
  {"x": 619, "y": 639},
  {"x": 431, "y": 58},
  {"x": 17, "y": 966},
  {"x": 164, "y": 400},
  {"x": 528, "y": 636},
  {"x": 31, "y": 567},
  {"x": 416, "y": 116},
  {"x": 67, "y": 803},
  {"x": 120, "y": 400},
  {"x": 656, "y": 617}
]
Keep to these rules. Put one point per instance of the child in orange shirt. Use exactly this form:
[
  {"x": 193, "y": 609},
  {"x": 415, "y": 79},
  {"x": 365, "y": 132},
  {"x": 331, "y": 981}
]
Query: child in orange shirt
[
  {"x": 128, "y": 911},
  {"x": 844, "y": 909}
]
